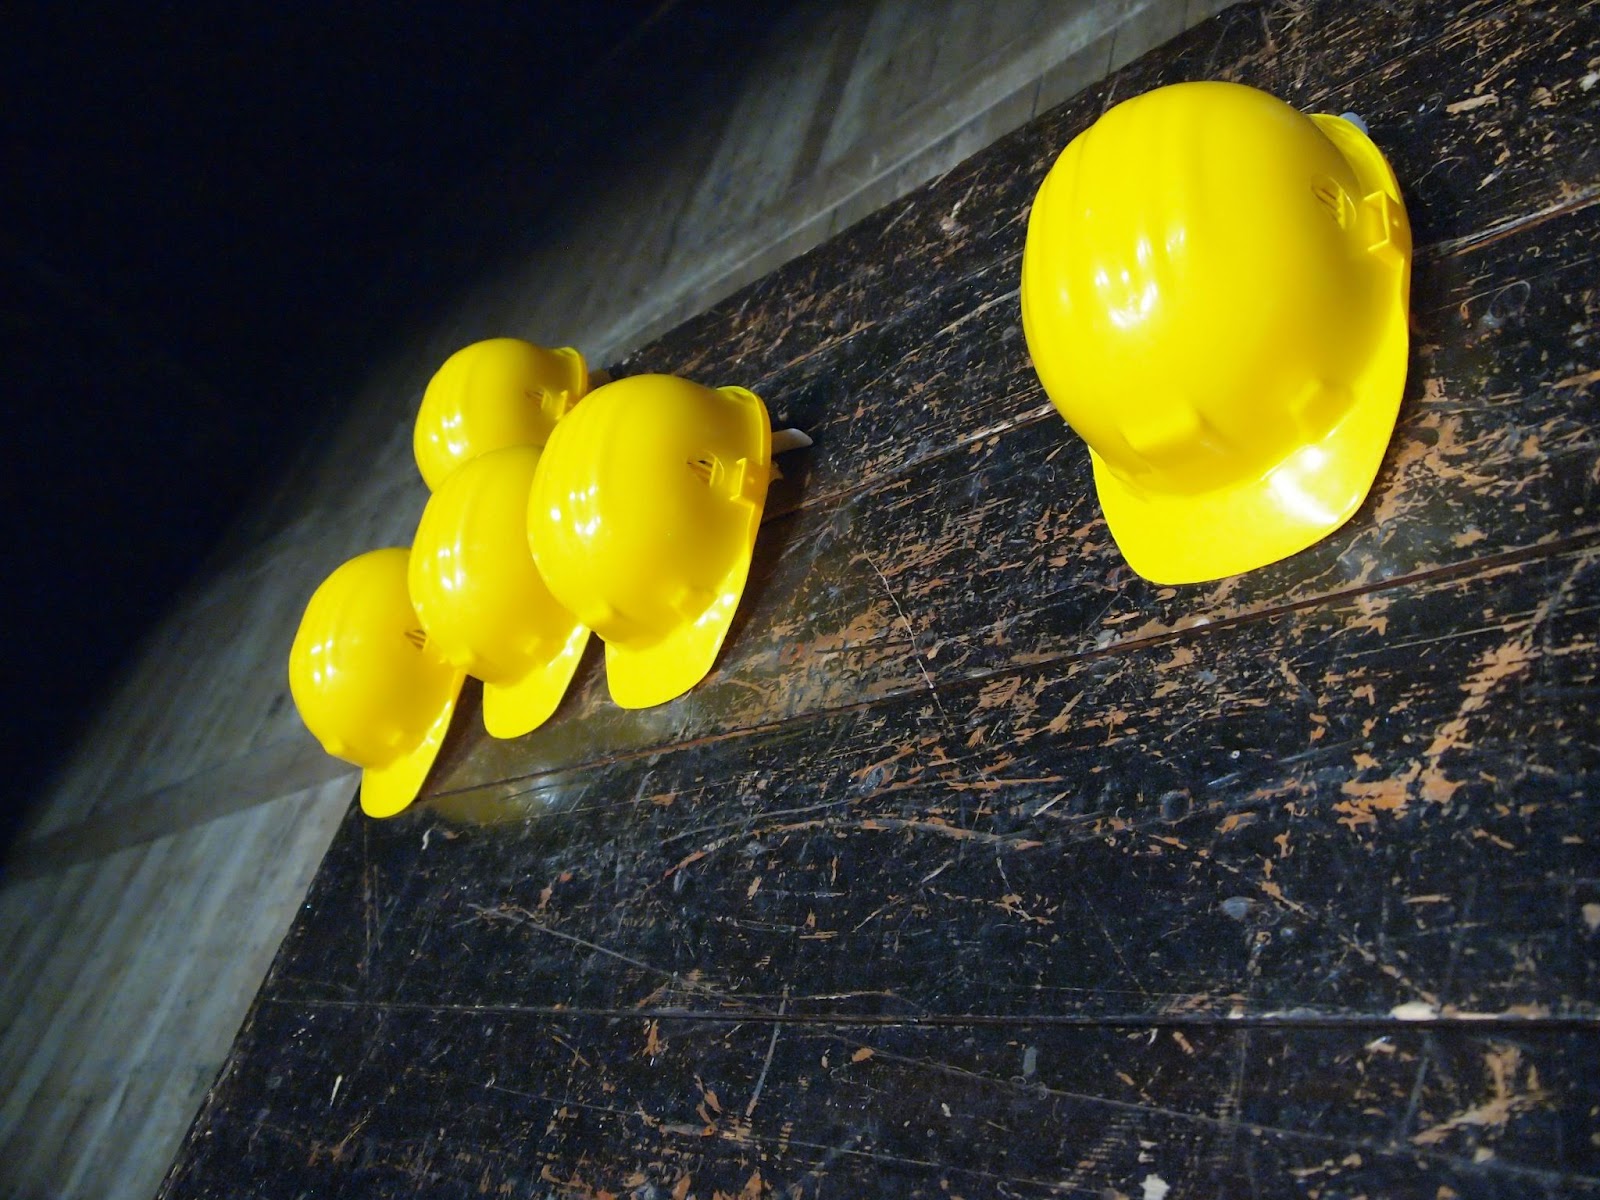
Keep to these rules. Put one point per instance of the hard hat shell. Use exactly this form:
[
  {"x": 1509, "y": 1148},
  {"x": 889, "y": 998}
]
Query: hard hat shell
[
  {"x": 1214, "y": 293},
  {"x": 643, "y": 518},
  {"x": 494, "y": 393},
  {"x": 481, "y": 599},
  {"x": 367, "y": 683}
]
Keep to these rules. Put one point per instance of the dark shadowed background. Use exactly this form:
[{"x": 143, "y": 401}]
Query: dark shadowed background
[{"x": 214, "y": 220}]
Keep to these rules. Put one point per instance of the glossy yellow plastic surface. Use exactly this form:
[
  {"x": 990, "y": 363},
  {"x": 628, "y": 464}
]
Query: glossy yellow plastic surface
[
  {"x": 1214, "y": 293},
  {"x": 481, "y": 599},
  {"x": 643, "y": 518},
  {"x": 492, "y": 394},
  {"x": 367, "y": 683}
]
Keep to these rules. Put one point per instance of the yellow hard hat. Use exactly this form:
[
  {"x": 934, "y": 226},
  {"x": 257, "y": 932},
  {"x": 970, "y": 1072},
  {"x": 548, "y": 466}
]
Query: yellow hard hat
[
  {"x": 1214, "y": 293},
  {"x": 500, "y": 392},
  {"x": 642, "y": 519},
  {"x": 481, "y": 599},
  {"x": 367, "y": 683}
]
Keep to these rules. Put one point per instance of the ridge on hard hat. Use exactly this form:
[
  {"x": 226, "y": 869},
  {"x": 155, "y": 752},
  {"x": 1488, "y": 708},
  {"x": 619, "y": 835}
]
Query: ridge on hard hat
[
  {"x": 1214, "y": 295},
  {"x": 491, "y": 394},
  {"x": 482, "y": 601},
  {"x": 643, "y": 519},
  {"x": 367, "y": 683}
]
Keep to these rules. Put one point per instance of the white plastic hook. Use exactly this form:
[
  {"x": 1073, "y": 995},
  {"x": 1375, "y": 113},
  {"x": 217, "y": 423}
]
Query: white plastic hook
[{"x": 785, "y": 440}]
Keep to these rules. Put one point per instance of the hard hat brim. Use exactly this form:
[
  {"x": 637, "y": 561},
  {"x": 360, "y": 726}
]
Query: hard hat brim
[
  {"x": 388, "y": 790},
  {"x": 645, "y": 677},
  {"x": 1191, "y": 539},
  {"x": 513, "y": 709},
  {"x": 1172, "y": 539}
]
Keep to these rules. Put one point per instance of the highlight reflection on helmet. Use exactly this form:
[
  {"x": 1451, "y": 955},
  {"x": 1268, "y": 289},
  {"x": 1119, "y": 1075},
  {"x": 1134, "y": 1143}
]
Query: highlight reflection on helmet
[
  {"x": 482, "y": 600},
  {"x": 368, "y": 684},
  {"x": 643, "y": 519},
  {"x": 492, "y": 394},
  {"x": 1214, "y": 294}
]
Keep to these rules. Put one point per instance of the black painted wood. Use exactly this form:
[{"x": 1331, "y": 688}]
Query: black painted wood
[
  {"x": 470, "y": 1104},
  {"x": 1309, "y": 809},
  {"x": 973, "y": 561},
  {"x": 980, "y": 866}
]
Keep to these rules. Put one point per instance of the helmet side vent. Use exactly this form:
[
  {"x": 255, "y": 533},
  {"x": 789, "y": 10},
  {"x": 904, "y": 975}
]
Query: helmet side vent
[
  {"x": 704, "y": 469},
  {"x": 1332, "y": 197}
]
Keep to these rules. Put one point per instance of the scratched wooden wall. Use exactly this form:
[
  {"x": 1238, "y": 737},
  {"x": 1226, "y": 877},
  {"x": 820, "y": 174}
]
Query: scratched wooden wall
[{"x": 980, "y": 866}]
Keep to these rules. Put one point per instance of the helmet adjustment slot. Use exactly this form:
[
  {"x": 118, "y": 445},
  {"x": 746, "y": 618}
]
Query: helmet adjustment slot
[
  {"x": 707, "y": 470},
  {"x": 1388, "y": 234}
]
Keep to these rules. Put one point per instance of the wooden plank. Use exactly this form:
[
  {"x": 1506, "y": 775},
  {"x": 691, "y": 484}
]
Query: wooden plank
[
  {"x": 52, "y": 914},
  {"x": 22, "y": 904},
  {"x": 72, "y": 932},
  {"x": 1311, "y": 807},
  {"x": 1496, "y": 367},
  {"x": 223, "y": 952},
  {"x": 998, "y": 555},
  {"x": 933, "y": 357},
  {"x": 462, "y": 1104}
]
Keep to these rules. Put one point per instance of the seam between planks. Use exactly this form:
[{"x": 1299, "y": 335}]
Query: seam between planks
[
  {"x": 60, "y": 852},
  {"x": 1525, "y": 554},
  {"x": 741, "y": 1010}
]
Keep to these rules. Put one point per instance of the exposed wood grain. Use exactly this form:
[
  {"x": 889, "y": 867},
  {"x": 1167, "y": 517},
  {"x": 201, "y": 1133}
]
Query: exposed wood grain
[
  {"x": 75, "y": 918},
  {"x": 62, "y": 1087}
]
